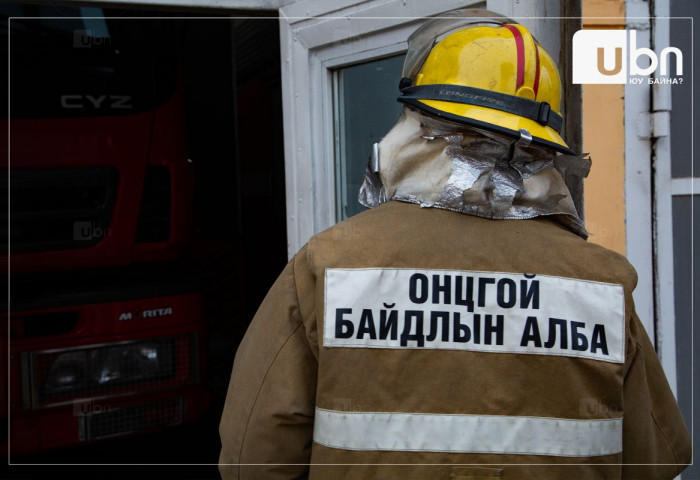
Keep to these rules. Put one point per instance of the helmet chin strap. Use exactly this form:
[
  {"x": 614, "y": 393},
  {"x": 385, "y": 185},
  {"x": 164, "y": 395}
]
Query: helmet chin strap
[
  {"x": 525, "y": 138},
  {"x": 374, "y": 159}
]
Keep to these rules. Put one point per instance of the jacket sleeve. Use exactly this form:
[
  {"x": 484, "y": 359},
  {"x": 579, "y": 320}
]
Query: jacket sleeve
[
  {"x": 268, "y": 416},
  {"x": 656, "y": 443}
]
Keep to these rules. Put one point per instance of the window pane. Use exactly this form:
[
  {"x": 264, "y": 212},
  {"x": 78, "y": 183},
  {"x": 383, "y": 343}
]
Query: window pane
[{"x": 366, "y": 111}]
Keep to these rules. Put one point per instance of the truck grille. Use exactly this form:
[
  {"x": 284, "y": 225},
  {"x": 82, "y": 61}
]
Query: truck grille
[
  {"x": 104, "y": 421},
  {"x": 57, "y": 208}
]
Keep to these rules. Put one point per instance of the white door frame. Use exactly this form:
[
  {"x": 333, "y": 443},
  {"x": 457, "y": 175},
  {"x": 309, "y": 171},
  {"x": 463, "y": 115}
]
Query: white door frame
[
  {"x": 638, "y": 176},
  {"x": 665, "y": 188},
  {"x": 663, "y": 208}
]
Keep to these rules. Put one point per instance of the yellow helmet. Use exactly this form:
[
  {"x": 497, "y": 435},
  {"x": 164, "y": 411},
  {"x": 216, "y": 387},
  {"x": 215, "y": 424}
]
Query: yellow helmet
[{"x": 487, "y": 71}]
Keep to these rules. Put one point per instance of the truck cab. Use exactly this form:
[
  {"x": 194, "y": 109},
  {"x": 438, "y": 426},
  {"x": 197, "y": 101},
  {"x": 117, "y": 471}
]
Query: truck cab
[{"x": 106, "y": 325}]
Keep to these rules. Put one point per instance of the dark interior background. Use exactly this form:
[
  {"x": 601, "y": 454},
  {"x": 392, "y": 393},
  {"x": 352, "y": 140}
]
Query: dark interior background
[{"x": 231, "y": 74}]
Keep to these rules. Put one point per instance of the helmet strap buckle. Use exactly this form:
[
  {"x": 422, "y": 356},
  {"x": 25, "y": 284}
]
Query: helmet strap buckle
[
  {"x": 543, "y": 114},
  {"x": 405, "y": 82}
]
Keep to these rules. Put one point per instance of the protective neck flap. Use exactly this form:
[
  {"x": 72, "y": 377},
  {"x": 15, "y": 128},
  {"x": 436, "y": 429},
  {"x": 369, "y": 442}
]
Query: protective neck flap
[{"x": 444, "y": 165}]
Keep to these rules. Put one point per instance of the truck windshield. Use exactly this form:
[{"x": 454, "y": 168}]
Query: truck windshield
[{"x": 87, "y": 63}]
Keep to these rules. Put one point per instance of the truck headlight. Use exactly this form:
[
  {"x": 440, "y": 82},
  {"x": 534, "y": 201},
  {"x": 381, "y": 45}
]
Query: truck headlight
[
  {"x": 109, "y": 368},
  {"x": 140, "y": 361},
  {"x": 67, "y": 372}
]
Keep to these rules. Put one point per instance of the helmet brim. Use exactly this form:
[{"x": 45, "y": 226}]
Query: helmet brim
[{"x": 493, "y": 120}]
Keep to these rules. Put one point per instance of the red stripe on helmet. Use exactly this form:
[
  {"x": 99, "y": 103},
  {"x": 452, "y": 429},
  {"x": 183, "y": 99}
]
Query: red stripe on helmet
[
  {"x": 520, "y": 49},
  {"x": 537, "y": 71}
]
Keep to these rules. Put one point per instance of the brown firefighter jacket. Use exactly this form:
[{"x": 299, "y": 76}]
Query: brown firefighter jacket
[{"x": 412, "y": 342}]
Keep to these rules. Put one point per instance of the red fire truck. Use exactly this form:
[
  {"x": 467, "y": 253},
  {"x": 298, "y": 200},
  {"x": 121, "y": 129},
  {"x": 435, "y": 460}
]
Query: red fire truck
[{"x": 106, "y": 328}]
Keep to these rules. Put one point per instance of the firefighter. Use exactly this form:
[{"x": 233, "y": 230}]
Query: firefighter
[{"x": 462, "y": 327}]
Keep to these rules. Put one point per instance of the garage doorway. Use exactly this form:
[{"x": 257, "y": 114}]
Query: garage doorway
[{"x": 229, "y": 67}]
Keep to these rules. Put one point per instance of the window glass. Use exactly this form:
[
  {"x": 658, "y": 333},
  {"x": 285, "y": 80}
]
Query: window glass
[{"x": 366, "y": 109}]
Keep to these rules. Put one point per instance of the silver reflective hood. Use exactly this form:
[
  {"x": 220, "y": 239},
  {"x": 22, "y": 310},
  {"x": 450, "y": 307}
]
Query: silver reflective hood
[{"x": 440, "y": 164}]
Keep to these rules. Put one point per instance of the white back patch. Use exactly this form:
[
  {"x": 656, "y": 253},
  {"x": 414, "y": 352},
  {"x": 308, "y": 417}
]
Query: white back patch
[{"x": 474, "y": 311}]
